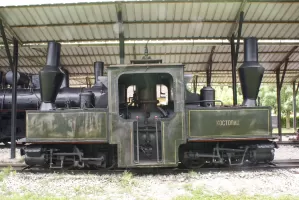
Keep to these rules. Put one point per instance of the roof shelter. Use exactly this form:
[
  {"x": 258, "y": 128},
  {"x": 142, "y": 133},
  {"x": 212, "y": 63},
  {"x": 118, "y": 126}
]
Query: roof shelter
[{"x": 198, "y": 33}]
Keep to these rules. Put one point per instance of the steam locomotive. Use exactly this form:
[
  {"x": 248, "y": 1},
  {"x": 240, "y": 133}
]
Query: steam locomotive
[{"x": 103, "y": 127}]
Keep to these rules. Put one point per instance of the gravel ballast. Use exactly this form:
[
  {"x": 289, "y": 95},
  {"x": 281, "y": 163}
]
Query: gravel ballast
[
  {"x": 127, "y": 186},
  {"x": 270, "y": 183},
  {"x": 124, "y": 186}
]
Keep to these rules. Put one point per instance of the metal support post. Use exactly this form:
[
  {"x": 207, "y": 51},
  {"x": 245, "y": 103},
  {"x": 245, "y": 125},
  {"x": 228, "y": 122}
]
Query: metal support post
[
  {"x": 121, "y": 34},
  {"x": 195, "y": 83},
  {"x": 278, "y": 90},
  {"x": 295, "y": 91},
  {"x": 209, "y": 66},
  {"x": 234, "y": 57},
  {"x": 234, "y": 76},
  {"x": 14, "y": 99}
]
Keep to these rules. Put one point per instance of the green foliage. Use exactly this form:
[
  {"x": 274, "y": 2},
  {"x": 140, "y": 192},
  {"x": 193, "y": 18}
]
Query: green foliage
[
  {"x": 127, "y": 181},
  {"x": 283, "y": 121},
  {"x": 268, "y": 97},
  {"x": 6, "y": 172},
  {"x": 225, "y": 94}
]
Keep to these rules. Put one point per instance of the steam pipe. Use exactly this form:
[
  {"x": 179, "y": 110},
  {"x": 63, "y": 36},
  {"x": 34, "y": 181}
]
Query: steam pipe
[
  {"x": 66, "y": 80},
  {"x": 52, "y": 56},
  {"x": 98, "y": 70},
  {"x": 250, "y": 50}
]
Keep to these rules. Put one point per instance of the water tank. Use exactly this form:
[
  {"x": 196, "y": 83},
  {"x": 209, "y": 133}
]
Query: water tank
[{"x": 207, "y": 95}]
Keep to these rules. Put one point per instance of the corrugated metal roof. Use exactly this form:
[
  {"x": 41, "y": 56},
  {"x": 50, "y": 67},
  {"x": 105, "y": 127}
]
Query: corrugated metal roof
[{"x": 152, "y": 20}]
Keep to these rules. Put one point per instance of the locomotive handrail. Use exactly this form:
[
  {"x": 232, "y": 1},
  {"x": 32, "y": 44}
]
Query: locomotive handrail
[{"x": 194, "y": 102}]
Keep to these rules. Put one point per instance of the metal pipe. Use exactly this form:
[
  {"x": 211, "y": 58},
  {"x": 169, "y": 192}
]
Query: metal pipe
[
  {"x": 137, "y": 138},
  {"x": 98, "y": 70},
  {"x": 14, "y": 100},
  {"x": 294, "y": 106},
  {"x": 157, "y": 140}
]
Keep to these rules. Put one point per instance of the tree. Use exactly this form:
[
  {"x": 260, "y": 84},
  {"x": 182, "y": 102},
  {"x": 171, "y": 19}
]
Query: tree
[
  {"x": 268, "y": 97},
  {"x": 225, "y": 94}
]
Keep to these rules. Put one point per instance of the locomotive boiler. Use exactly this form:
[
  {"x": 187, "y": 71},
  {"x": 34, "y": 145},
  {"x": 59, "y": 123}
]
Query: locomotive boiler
[
  {"x": 135, "y": 130},
  {"x": 29, "y": 97}
]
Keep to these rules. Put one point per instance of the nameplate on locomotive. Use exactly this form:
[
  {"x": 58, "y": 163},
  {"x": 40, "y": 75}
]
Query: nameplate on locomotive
[{"x": 228, "y": 122}]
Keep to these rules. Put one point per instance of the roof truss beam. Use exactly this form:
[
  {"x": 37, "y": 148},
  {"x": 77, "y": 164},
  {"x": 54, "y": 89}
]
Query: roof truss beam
[
  {"x": 153, "y": 22},
  {"x": 10, "y": 30},
  {"x": 206, "y": 41},
  {"x": 185, "y": 63},
  {"x": 152, "y": 54},
  {"x": 79, "y": 4},
  {"x": 285, "y": 58}
]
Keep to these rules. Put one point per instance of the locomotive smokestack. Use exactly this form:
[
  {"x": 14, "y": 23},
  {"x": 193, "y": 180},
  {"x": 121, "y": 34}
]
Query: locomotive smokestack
[
  {"x": 98, "y": 70},
  {"x": 250, "y": 73},
  {"x": 66, "y": 80},
  {"x": 51, "y": 77}
]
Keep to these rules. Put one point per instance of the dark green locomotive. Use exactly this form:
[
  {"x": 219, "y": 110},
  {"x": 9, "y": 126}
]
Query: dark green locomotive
[{"x": 190, "y": 129}]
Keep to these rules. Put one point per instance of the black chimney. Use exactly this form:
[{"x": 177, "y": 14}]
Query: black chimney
[
  {"x": 98, "y": 70},
  {"x": 66, "y": 79},
  {"x": 250, "y": 73},
  {"x": 51, "y": 77}
]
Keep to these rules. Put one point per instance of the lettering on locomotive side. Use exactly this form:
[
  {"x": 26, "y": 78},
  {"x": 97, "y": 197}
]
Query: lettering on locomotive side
[{"x": 228, "y": 122}]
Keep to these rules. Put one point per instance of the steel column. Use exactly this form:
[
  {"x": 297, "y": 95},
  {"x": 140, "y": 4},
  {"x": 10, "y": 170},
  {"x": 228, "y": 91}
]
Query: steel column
[
  {"x": 14, "y": 99},
  {"x": 234, "y": 76},
  {"x": 278, "y": 90},
  {"x": 295, "y": 92},
  {"x": 195, "y": 81},
  {"x": 235, "y": 54},
  {"x": 121, "y": 36},
  {"x": 209, "y": 66},
  {"x": 278, "y": 105}
]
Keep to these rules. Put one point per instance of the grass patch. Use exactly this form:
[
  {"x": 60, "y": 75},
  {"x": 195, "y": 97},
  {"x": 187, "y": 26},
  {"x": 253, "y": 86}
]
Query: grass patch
[
  {"x": 198, "y": 194},
  {"x": 30, "y": 196},
  {"x": 6, "y": 172},
  {"x": 126, "y": 179}
]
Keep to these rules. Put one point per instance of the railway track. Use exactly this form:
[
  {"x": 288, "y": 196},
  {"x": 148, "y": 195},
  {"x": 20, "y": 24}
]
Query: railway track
[
  {"x": 278, "y": 164},
  {"x": 289, "y": 143}
]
